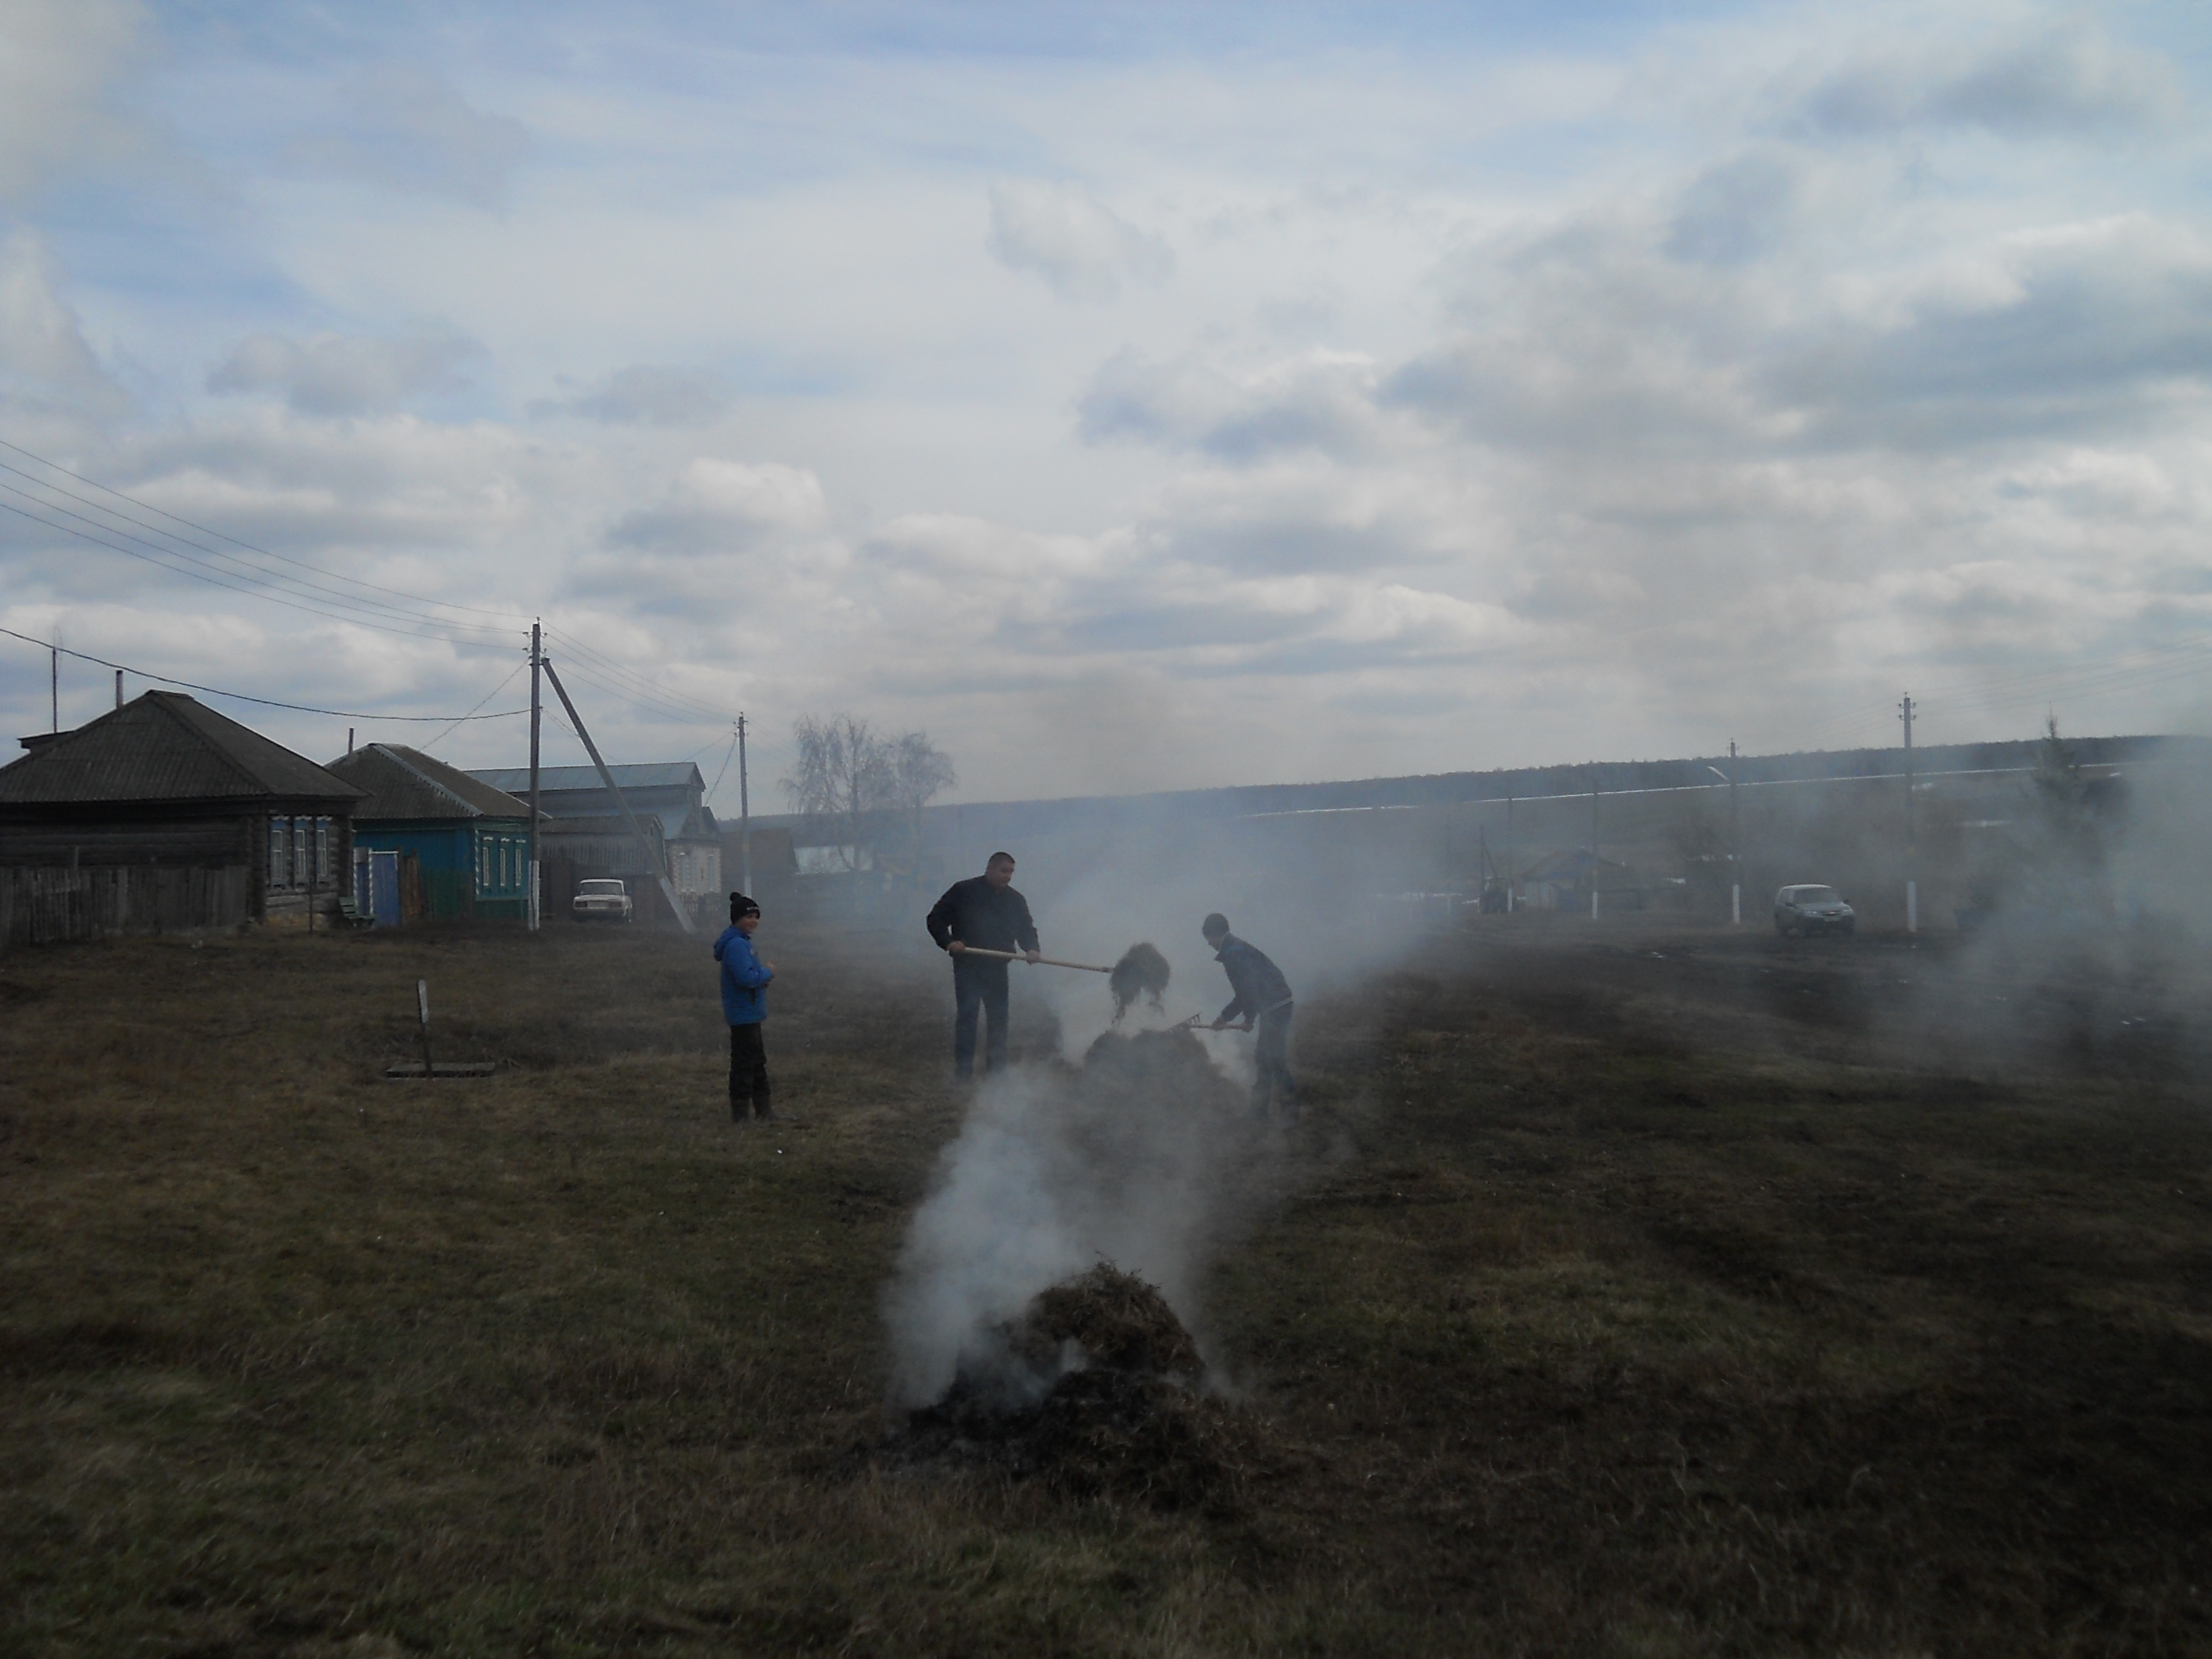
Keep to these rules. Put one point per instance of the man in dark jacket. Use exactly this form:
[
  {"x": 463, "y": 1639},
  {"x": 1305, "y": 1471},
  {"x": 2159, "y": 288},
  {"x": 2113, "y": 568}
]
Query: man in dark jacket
[
  {"x": 984, "y": 911},
  {"x": 1263, "y": 997},
  {"x": 745, "y": 1005}
]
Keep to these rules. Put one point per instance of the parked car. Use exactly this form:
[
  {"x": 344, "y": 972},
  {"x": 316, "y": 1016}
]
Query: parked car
[
  {"x": 1809, "y": 909},
  {"x": 600, "y": 900}
]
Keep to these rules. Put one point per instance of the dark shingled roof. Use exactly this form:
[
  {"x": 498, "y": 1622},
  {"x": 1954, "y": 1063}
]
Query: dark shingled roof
[
  {"x": 406, "y": 784},
  {"x": 165, "y": 746}
]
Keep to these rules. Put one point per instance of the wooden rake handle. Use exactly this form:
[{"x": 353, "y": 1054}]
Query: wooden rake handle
[{"x": 1041, "y": 962}]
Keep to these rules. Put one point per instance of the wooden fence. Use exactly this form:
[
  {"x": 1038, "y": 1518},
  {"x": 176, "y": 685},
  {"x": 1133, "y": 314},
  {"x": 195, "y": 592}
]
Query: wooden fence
[{"x": 51, "y": 906}]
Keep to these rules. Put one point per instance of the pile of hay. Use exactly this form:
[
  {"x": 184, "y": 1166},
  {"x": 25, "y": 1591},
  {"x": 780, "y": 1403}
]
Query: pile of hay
[
  {"x": 1123, "y": 1416},
  {"x": 1142, "y": 971},
  {"x": 1169, "y": 1066}
]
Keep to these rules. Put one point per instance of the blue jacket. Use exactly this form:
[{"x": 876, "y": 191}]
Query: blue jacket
[
  {"x": 744, "y": 981},
  {"x": 1260, "y": 986}
]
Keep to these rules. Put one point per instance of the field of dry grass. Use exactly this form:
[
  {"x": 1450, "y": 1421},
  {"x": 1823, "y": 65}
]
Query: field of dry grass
[{"x": 1640, "y": 1292}]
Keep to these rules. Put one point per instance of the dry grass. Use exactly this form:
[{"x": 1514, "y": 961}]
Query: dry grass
[{"x": 1633, "y": 1304}]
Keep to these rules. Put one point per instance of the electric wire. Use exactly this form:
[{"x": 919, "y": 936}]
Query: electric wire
[
  {"x": 486, "y": 698},
  {"x": 216, "y": 582},
  {"x": 250, "y": 547},
  {"x": 248, "y": 572},
  {"x": 248, "y": 697}
]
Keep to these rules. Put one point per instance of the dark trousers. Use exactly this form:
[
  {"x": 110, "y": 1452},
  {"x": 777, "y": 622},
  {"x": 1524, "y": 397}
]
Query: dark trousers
[
  {"x": 747, "y": 1072},
  {"x": 978, "y": 988},
  {"x": 1275, "y": 1083}
]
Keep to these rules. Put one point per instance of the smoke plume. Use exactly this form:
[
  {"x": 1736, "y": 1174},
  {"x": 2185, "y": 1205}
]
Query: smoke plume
[{"x": 1146, "y": 1155}]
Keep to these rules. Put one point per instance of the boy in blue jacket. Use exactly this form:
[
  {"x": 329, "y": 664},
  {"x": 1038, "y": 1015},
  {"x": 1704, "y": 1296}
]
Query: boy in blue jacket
[{"x": 745, "y": 1005}]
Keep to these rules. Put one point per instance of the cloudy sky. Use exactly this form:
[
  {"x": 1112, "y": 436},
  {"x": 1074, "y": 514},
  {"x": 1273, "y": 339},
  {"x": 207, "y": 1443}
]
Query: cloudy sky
[{"x": 1132, "y": 397}]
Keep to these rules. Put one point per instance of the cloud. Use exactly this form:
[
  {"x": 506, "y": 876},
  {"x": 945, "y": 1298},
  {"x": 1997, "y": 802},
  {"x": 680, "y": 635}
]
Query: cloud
[
  {"x": 1735, "y": 211},
  {"x": 2072, "y": 333},
  {"x": 44, "y": 357},
  {"x": 1321, "y": 401},
  {"x": 411, "y": 130},
  {"x": 1081, "y": 247},
  {"x": 2068, "y": 80},
  {"x": 57, "y": 58},
  {"x": 642, "y": 395},
  {"x": 333, "y": 375},
  {"x": 715, "y": 506}
]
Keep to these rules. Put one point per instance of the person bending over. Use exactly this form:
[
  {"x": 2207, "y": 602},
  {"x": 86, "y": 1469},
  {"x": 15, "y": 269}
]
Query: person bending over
[
  {"x": 986, "y": 912},
  {"x": 1263, "y": 998},
  {"x": 745, "y": 1006}
]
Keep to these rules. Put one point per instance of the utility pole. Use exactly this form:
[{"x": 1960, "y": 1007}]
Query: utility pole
[
  {"x": 1509, "y": 882},
  {"x": 1593, "y": 867},
  {"x": 1912, "y": 860},
  {"x": 1735, "y": 848},
  {"x": 744, "y": 816},
  {"x": 54, "y": 685},
  {"x": 531, "y": 902},
  {"x": 119, "y": 688},
  {"x": 667, "y": 887}
]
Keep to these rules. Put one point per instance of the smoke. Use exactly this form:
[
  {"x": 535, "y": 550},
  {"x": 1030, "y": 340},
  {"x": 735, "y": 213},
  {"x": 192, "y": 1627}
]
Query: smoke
[{"x": 1146, "y": 1155}]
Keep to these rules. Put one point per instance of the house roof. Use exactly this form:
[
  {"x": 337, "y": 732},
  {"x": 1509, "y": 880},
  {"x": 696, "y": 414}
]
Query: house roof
[
  {"x": 406, "y": 784},
  {"x": 643, "y": 775},
  {"x": 163, "y": 746}
]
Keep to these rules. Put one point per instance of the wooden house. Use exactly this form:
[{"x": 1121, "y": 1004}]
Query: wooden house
[
  {"x": 195, "y": 820},
  {"x": 467, "y": 844}
]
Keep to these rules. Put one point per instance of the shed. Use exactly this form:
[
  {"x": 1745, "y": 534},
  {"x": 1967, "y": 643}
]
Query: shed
[
  {"x": 469, "y": 841},
  {"x": 214, "y": 822},
  {"x": 1562, "y": 881}
]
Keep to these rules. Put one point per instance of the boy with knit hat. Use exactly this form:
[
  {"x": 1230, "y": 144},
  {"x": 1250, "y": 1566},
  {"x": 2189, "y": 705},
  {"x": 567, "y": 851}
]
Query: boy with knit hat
[{"x": 745, "y": 1006}]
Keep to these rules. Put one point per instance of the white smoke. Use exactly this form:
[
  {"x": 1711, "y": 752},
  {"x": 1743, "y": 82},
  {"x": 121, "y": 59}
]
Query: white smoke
[{"x": 1149, "y": 1160}]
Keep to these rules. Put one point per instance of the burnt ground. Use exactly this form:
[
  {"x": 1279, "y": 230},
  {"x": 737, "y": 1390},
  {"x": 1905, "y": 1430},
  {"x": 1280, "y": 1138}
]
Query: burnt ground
[{"x": 1632, "y": 1289}]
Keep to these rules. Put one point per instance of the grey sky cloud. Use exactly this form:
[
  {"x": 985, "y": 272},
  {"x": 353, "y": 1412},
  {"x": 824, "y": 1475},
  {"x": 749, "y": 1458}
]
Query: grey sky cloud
[
  {"x": 1735, "y": 212},
  {"x": 645, "y": 395},
  {"x": 2063, "y": 79},
  {"x": 411, "y": 130},
  {"x": 336, "y": 375},
  {"x": 1319, "y": 401},
  {"x": 59, "y": 60},
  {"x": 43, "y": 356},
  {"x": 1081, "y": 247}
]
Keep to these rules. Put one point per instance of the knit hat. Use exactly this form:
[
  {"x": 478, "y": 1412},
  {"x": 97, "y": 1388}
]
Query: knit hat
[{"x": 740, "y": 908}]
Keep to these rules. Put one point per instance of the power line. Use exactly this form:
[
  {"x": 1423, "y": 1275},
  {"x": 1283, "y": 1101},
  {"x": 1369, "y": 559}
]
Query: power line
[
  {"x": 249, "y": 572},
  {"x": 486, "y": 698},
  {"x": 216, "y": 582},
  {"x": 266, "y": 702},
  {"x": 301, "y": 564}
]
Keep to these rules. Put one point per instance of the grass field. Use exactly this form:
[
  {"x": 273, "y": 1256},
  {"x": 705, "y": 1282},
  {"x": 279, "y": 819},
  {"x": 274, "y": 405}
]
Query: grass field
[{"x": 1640, "y": 1292}]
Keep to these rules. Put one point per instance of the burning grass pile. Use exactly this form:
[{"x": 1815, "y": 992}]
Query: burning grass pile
[
  {"x": 1123, "y": 1414},
  {"x": 1141, "y": 972}
]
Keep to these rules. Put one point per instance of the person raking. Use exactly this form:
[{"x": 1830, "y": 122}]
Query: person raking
[
  {"x": 745, "y": 1006},
  {"x": 1262, "y": 999},
  {"x": 986, "y": 912}
]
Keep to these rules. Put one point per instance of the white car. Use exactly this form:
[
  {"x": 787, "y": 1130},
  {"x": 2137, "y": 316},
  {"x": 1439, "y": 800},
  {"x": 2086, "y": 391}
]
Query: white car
[{"x": 600, "y": 901}]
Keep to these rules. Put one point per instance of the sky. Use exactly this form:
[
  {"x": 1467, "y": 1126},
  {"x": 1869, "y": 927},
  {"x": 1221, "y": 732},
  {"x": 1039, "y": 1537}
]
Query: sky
[{"x": 1128, "y": 397}]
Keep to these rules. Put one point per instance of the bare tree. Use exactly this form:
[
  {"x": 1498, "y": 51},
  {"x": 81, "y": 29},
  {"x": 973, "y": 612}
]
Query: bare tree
[
  {"x": 920, "y": 772},
  {"x": 841, "y": 780},
  {"x": 854, "y": 784}
]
